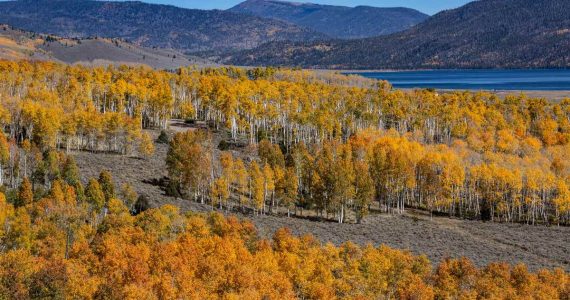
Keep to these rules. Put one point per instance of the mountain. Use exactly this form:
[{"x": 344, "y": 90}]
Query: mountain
[
  {"x": 17, "y": 44},
  {"x": 335, "y": 21},
  {"x": 481, "y": 34},
  {"x": 150, "y": 25}
]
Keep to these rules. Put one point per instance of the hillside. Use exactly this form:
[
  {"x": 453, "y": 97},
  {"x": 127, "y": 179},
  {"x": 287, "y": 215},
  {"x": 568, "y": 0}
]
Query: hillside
[
  {"x": 458, "y": 157},
  {"x": 481, "y": 34},
  {"x": 115, "y": 182},
  {"x": 335, "y": 21},
  {"x": 149, "y": 25},
  {"x": 17, "y": 44}
]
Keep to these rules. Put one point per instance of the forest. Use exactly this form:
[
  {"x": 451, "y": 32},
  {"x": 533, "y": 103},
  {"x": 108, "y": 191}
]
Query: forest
[
  {"x": 65, "y": 246},
  {"x": 300, "y": 139},
  {"x": 265, "y": 141}
]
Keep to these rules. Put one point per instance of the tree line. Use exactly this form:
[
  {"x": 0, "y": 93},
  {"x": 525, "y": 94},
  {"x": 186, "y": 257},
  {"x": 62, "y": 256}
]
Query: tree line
[{"x": 394, "y": 171}]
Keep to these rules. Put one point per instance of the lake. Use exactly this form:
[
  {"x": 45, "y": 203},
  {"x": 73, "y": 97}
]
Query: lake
[{"x": 539, "y": 80}]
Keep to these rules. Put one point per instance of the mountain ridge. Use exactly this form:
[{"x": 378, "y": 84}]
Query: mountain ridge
[
  {"x": 150, "y": 25},
  {"x": 335, "y": 21},
  {"x": 16, "y": 44},
  {"x": 481, "y": 34}
]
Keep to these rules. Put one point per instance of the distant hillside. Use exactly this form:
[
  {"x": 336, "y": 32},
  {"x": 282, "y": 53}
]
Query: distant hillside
[
  {"x": 150, "y": 25},
  {"x": 17, "y": 44},
  {"x": 481, "y": 34},
  {"x": 335, "y": 21}
]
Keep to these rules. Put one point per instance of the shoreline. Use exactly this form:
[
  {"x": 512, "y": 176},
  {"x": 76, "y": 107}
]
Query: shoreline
[
  {"x": 357, "y": 71},
  {"x": 549, "y": 95},
  {"x": 553, "y": 94}
]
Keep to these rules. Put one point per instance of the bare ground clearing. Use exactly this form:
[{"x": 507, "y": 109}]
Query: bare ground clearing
[{"x": 438, "y": 238}]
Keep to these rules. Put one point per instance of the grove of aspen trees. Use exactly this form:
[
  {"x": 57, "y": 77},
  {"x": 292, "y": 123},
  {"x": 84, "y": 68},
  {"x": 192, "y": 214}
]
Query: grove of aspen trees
[
  {"x": 469, "y": 155},
  {"x": 331, "y": 144}
]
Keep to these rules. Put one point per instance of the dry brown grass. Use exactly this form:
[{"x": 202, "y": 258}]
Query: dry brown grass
[{"x": 438, "y": 238}]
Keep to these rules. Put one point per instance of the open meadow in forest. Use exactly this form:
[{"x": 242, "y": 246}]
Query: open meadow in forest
[{"x": 438, "y": 237}]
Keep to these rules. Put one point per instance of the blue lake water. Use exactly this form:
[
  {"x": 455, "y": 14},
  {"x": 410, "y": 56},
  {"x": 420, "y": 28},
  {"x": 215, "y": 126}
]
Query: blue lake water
[{"x": 540, "y": 80}]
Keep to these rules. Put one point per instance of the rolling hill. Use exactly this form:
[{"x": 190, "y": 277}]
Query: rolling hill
[
  {"x": 481, "y": 34},
  {"x": 335, "y": 21},
  {"x": 150, "y": 25},
  {"x": 17, "y": 44}
]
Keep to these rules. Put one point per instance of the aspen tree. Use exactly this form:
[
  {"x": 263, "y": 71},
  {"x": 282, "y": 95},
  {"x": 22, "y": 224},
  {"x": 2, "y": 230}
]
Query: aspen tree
[
  {"x": 364, "y": 190},
  {"x": 129, "y": 196},
  {"x": 242, "y": 181},
  {"x": 70, "y": 171},
  {"x": 146, "y": 146},
  {"x": 268, "y": 186},
  {"x": 25, "y": 193},
  {"x": 107, "y": 185},
  {"x": 257, "y": 187},
  {"x": 4, "y": 156},
  {"x": 6, "y": 213},
  {"x": 94, "y": 195}
]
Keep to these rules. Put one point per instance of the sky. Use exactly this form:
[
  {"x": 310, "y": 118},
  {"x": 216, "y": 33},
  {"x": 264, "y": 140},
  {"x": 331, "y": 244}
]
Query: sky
[{"x": 427, "y": 6}]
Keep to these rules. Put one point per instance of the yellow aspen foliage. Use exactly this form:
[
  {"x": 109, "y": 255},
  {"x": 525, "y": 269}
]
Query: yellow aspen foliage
[
  {"x": 4, "y": 156},
  {"x": 18, "y": 268},
  {"x": 548, "y": 130},
  {"x": 328, "y": 143},
  {"x": 20, "y": 235},
  {"x": 257, "y": 186},
  {"x": 6, "y": 212},
  {"x": 269, "y": 181},
  {"x": 364, "y": 189},
  {"x": 286, "y": 187},
  {"x": 94, "y": 195},
  {"x": 227, "y": 164},
  {"x": 189, "y": 161},
  {"x": 146, "y": 146},
  {"x": 57, "y": 192},
  {"x": 242, "y": 180},
  {"x": 562, "y": 201},
  {"x": 129, "y": 195},
  {"x": 506, "y": 142},
  {"x": 25, "y": 193},
  {"x": 161, "y": 253},
  {"x": 219, "y": 192},
  {"x": 107, "y": 185}
]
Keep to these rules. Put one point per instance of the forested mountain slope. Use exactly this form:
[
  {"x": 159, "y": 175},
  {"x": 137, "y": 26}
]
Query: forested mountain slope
[
  {"x": 481, "y": 34},
  {"x": 335, "y": 21},
  {"x": 17, "y": 44},
  {"x": 150, "y": 25},
  {"x": 344, "y": 142}
]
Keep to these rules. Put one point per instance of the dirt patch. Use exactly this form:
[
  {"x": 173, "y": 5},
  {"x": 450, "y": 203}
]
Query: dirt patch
[{"x": 437, "y": 238}]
